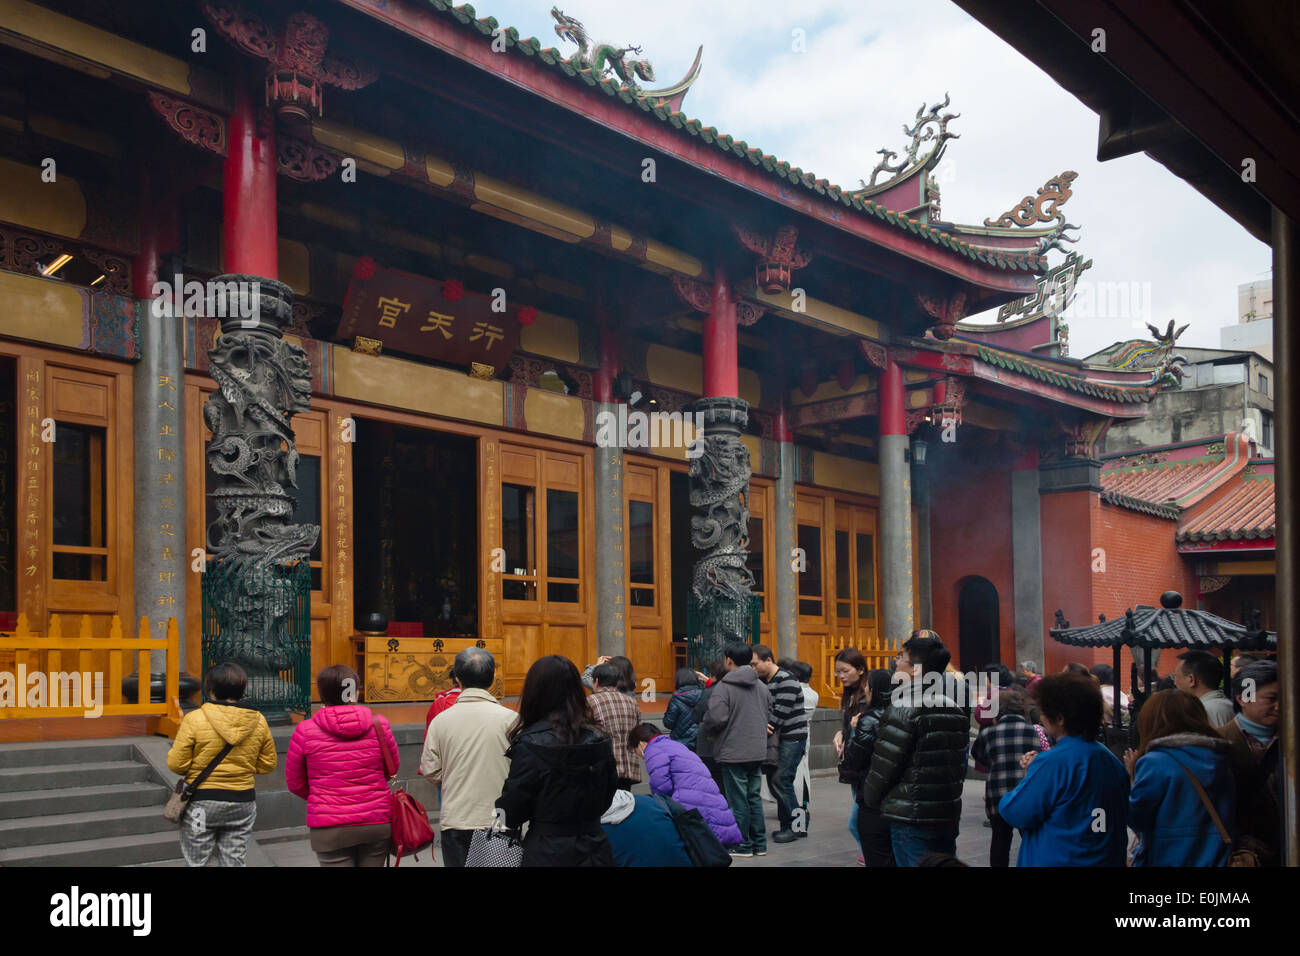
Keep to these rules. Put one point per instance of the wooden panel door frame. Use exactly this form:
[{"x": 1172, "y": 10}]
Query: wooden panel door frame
[
  {"x": 38, "y": 594},
  {"x": 548, "y": 618},
  {"x": 656, "y": 477}
]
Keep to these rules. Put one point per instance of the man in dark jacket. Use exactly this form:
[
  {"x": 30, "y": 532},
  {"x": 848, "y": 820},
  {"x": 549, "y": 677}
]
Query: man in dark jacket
[
  {"x": 919, "y": 763},
  {"x": 737, "y": 714},
  {"x": 1255, "y": 751},
  {"x": 789, "y": 725}
]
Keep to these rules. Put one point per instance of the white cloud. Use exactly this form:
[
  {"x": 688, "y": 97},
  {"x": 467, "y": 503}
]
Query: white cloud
[{"x": 867, "y": 67}]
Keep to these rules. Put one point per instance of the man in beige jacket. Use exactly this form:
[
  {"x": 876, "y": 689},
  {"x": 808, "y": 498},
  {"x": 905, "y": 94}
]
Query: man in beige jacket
[{"x": 465, "y": 752}]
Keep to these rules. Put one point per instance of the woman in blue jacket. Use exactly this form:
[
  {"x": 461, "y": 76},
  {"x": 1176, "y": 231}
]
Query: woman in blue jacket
[
  {"x": 1176, "y": 744},
  {"x": 1071, "y": 807}
]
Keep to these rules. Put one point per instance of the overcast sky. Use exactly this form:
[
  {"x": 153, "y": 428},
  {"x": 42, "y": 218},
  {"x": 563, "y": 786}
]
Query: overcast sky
[{"x": 868, "y": 65}]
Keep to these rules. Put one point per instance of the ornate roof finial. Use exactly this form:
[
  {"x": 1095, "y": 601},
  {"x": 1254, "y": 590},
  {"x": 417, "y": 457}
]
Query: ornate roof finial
[
  {"x": 1169, "y": 336},
  {"x": 929, "y": 126},
  {"x": 603, "y": 58},
  {"x": 1044, "y": 208}
]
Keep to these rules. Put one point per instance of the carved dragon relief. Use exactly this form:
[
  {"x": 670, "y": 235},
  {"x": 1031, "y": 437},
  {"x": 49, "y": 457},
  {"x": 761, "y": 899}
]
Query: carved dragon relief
[
  {"x": 254, "y": 549},
  {"x": 608, "y": 61}
]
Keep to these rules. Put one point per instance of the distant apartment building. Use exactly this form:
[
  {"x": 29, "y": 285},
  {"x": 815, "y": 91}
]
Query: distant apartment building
[
  {"x": 1222, "y": 391},
  {"x": 1254, "y": 328}
]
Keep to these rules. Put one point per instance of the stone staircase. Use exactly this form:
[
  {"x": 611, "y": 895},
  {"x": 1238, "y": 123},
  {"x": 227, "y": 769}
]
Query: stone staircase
[{"x": 82, "y": 803}]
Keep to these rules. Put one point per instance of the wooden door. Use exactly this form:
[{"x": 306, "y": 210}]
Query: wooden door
[
  {"x": 648, "y": 572},
  {"x": 546, "y": 540}
]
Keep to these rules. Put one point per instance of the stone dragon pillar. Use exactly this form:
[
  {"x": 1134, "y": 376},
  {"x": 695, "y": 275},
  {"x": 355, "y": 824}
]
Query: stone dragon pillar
[{"x": 257, "y": 557}]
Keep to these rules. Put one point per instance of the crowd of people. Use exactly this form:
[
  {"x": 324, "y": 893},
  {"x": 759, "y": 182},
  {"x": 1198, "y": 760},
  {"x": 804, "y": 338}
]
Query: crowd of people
[{"x": 551, "y": 783}]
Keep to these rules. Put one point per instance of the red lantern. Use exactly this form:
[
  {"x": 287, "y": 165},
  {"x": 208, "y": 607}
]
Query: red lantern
[
  {"x": 527, "y": 315},
  {"x": 452, "y": 290}
]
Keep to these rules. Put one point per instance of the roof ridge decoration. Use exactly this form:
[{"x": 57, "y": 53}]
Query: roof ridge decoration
[
  {"x": 1044, "y": 208},
  {"x": 665, "y": 106},
  {"x": 604, "y": 59},
  {"x": 929, "y": 125}
]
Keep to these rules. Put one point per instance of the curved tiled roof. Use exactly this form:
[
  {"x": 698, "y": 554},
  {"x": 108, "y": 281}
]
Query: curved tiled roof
[
  {"x": 1162, "y": 484},
  {"x": 779, "y": 169},
  {"x": 1074, "y": 382},
  {"x": 1246, "y": 513},
  {"x": 1163, "y": 627}
]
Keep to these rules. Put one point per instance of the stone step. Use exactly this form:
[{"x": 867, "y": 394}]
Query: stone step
[
  {"x": 108, "y": 851},
  {"x": 87, "y": 825},
  {"x": 72, "y": 775},
  {"x": 116, "y": 796},
  {"x": 73, "y": 751}
]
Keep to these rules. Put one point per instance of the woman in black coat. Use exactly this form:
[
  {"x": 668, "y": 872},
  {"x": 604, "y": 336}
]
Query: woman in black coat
[
  {"x": 562, "y": 772},
  {"x": 873, "y": 831}
]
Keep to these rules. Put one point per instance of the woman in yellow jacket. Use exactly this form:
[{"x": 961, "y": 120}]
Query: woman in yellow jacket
[{"x": 222, "y": 813}]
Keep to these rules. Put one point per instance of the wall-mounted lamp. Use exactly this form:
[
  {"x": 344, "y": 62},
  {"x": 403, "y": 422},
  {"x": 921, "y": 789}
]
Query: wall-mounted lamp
[{"x": 918, "y": 451}]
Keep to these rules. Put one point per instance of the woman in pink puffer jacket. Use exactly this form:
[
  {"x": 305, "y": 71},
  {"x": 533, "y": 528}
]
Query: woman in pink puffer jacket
[{"x": 335, "y": 764}]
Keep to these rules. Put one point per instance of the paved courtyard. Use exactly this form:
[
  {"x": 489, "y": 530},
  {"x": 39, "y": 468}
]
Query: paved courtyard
[{"x": 828, "y": 842}]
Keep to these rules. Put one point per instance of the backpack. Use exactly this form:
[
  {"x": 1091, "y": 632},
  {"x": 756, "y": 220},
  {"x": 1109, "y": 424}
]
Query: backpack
[{"x": 702, "y": 845}]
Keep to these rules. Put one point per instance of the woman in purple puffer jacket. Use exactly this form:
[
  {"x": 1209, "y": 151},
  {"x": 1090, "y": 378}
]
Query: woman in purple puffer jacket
[
  {"x": 677, "y": 772},
  {"x": 335, "y": 763}
]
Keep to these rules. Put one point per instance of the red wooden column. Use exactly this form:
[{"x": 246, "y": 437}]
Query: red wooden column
[
  {"x": 895, "y": 508},
  {"x": 602, "y": 382},
  {"x": 249, "y": 190},
  {"x": 721, "y": 361}
]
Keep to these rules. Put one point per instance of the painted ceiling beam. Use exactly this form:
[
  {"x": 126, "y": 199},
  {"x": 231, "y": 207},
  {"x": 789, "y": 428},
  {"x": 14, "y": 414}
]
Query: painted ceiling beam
[{"x": 80, "y": 46}]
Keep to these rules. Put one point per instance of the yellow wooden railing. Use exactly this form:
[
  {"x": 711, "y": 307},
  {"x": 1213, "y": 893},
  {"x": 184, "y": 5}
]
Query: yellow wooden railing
[{"x": 25, "y": 654}]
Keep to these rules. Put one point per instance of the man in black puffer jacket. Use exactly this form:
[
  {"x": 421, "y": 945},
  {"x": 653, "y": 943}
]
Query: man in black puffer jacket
[{"x": 919, "y": 763}]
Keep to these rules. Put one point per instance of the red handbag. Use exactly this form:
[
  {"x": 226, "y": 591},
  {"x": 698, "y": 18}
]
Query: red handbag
[{"x": 411, "y": 832}]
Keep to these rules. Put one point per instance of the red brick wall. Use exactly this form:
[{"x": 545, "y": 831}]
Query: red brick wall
[
  {"x": 1066, "y": 527},
  {"x": 970, "y": 535},
  {"x": 1142, "y": 562}
]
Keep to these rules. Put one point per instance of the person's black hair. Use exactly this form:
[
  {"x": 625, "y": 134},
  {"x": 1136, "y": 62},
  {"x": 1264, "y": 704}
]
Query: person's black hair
[
  {"x": 338, "y": 684},
  {"x": 738, "y": 653},
  {"x": 1166, "y": 683},
  {"x": 642, "y": 733},
  {"x": 606, "y": 674},
  {"x": 881, "y": 684},
  {"x": 626, "y": 673},
  {"x": 1104, "y": 673},
  {"x": 1204, "y": 666},
  {"x": 226, "y": 682},
  {"x": 1014, "y": 701},
  {"x": 553, "y": 693},
  {"x": 685, "y": 677},
  {"x": 718, "y": 669},
  {"x": 925, "y": 648},
  {"x": 762, "y": 652},
  {"x": 1074, "y": 699},
  {"x": 475, "y": 667},
  {"x": 1262, "y": 673},
  {"x": 801, "y": 670},
  {"x": 1074, "y": 667}
]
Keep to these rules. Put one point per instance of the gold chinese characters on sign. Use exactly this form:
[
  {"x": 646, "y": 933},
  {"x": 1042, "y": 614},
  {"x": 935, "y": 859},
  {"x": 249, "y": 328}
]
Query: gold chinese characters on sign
[{"x": 401, "y": 312}]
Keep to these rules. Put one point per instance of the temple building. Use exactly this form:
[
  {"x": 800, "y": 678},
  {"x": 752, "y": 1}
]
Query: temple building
[{"x": 504, "y": 346}]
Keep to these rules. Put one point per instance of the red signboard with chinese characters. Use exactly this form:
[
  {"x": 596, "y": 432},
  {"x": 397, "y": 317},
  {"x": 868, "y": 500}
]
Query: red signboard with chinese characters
[{"x": 433, "y": 319}]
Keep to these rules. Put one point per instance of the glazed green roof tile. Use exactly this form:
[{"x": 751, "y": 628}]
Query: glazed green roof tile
[
  {"x": 1042, "y": 373},
  {"x": 530, "y": 46}
]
